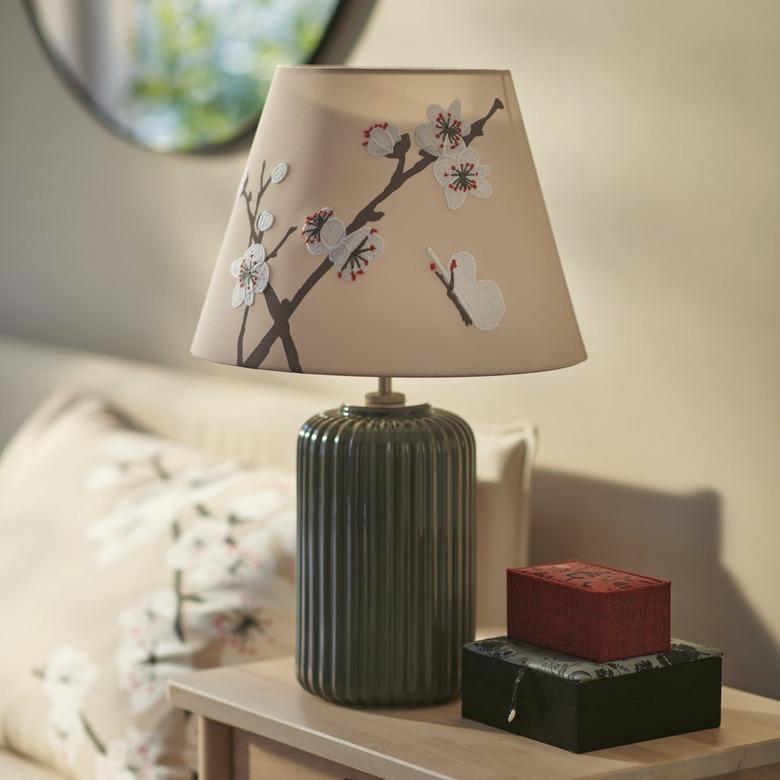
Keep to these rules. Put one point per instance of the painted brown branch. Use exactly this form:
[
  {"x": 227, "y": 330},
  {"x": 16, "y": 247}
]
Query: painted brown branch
[
  {"x": 369, "y": 213},
  {"x": 401, "y": 174},
  {"x": 275, "y": 251},
  {"x": 478, "y": 127},
  {"x": 255, "y": 236},
  {"x": 278, "y": 309},
  {"x": 240, "y": 342},
  {"x": 453, "y": 296},
  {"x": 280, "y": 313},
  {"x": 260, "y": 192},
  {"x": 274, "y": 305},
  {"x": 247, "y": 196}
]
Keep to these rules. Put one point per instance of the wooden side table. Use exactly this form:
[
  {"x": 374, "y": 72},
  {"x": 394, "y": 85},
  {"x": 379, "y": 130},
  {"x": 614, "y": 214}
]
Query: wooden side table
[{"x": 256, "y": 722}]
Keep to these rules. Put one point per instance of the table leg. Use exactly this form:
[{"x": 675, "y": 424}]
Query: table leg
[{"x": 215, "y": 750}]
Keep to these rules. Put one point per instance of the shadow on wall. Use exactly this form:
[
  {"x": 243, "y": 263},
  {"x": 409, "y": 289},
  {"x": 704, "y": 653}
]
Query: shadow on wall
[{"x": 668, "y": 535}]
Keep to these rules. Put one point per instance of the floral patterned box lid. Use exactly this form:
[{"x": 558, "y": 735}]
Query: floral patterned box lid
[
  {"x": 589, "y": 576},
  {"x": 580, "y": 670}
]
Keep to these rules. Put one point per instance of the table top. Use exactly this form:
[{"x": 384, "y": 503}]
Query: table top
[{"x": 435, "y": 742}]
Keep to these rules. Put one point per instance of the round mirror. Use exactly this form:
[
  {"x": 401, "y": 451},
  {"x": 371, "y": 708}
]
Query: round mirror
[{"x": 186, "y": 75}]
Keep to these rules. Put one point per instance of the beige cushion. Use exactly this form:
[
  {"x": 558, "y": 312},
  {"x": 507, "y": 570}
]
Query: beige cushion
[
  {"x": 129, "y": 559},
  {"x": 15, "y": 767}
]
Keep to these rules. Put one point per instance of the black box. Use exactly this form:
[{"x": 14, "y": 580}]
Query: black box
[{"x": 584, "y": 705}]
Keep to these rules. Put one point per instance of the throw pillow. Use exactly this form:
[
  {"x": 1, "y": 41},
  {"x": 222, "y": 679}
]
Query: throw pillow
[{"x": 128, "y": 559}]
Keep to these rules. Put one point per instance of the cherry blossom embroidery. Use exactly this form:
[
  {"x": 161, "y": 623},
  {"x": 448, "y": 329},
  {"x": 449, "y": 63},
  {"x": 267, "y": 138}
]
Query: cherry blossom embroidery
[
  {"x": 380, "y": 139},
  {"x": 350, "y": 253},
  {"x": 150, "y": 651},
  {"x": 279, "y": 172},
  {"x": 322, "y": 231},
  {"x": 479, "y": 302},
  {"x": 462, "y": 175},
  {"x": 67, "y": 678},
  {"x": 200, "y": 544},
  {"x": 264, "y": 221},
  {"x": 128, "y": 454},
  {"x": 132, "y": 757},
  {"x": 251, "y": 275},
  {"x": 446, "y": 135},
  {"x": 240, "y": 621},
  {"x": 143, "y": 517},
  {"x": 444, "y": 132},
  {"x": 251, "y": 271}
]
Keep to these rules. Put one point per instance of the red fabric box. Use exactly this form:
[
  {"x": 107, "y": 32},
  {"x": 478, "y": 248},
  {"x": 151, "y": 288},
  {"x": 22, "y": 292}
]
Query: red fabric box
[{"x": 589, "y": 611}]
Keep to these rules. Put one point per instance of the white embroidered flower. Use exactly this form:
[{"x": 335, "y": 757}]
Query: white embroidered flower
[
  {"x": 462, "y": 175},
  {"x": 67, "y": 677},
  {"x": 443, "y": 134},
  {"x": 322, "y": 231},
  {"x": 380, "y": 139},
  {"x": 124, "y": 451},
  {"x": 481, "y": 299},
  {"x": 235, "y": 562},
  {"x": 208, "y": 547},
  {"x": 251, "y": 275},
  {"x": 252, "y": 554},
  {"x": 200, "y": 544},
  {"x": 279, "y": 172},
  {"x": 152, "y": 510},
  {"x": 353, "y": 255},
  {"x": 150, "y": 650},
  {"x": 145, "y": 665},
  {"x": 264, "y": 221},
  {"x": 350, "y": 253},
  {"x": 150, "y": 620},
  {"x": 133, "y": 757},
  {"x": 65, "y": 732},
  {"x": 235, "y": 615}
]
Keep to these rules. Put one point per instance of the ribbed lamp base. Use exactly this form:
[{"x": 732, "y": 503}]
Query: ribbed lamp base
[{"x": 386, "y": 558}]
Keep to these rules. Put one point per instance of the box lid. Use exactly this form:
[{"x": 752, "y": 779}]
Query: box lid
[
  {"x": 577, "y": 682},
  {"x": 582, "y": 671},
  {"x": 589, "y": 577}
]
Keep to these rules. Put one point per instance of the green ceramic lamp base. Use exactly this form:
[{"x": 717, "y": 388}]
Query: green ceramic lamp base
[{"x": 386, "y": 552}]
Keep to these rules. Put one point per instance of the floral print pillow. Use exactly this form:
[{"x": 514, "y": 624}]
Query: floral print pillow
[{"x": 176, "y": 562}]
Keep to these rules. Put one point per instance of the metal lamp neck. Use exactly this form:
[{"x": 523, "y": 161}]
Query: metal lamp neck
[{"x": 384, "y": 395}]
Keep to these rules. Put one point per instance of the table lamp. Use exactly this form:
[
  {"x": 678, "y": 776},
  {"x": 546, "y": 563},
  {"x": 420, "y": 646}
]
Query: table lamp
[{"x": 389, "y": 223}]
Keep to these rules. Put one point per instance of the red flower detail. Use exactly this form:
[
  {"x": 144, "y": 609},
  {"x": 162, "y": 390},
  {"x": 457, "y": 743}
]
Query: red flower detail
[
  {"x": 449, "y": 130},
  {"x": 453, "y": 264},
  {"x": 313, "y": 224},
  {"x": 367, "y": 131},
  {"x": 464, "y": 177}
]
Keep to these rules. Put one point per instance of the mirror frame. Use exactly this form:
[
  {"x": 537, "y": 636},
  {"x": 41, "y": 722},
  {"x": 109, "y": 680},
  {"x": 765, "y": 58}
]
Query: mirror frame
[{"x": 340, "y": 36}]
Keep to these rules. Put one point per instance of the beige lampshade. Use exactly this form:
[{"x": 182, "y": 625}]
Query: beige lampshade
[{"x": 389, "y": 223}]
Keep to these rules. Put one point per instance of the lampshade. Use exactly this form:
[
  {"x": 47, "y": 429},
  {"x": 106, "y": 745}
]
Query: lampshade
[{"x": 389, "y": 223}]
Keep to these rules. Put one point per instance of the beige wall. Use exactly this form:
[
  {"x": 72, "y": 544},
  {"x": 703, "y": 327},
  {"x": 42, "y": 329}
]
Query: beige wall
[{"x": 655, "y": 127}]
